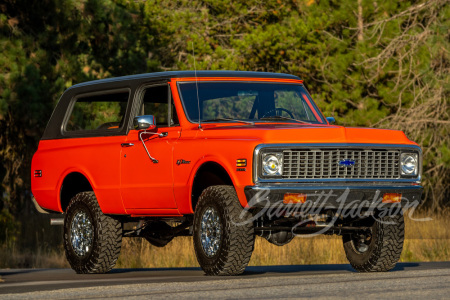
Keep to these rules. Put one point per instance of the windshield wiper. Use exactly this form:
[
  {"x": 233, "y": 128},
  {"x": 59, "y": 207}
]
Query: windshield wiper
[
  {"x": 229, "y": 119},
  {"x": 283, "y": 118}
]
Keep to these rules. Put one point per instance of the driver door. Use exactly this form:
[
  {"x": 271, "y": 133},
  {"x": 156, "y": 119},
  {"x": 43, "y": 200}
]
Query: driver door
[{"x": 147, "y": 186}]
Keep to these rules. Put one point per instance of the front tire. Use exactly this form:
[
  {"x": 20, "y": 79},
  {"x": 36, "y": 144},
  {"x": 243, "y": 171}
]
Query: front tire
[
  {"x": 92, "y": 240},
  {"x": 223, "y": 232},
  {"x": 381, "y": 249}
]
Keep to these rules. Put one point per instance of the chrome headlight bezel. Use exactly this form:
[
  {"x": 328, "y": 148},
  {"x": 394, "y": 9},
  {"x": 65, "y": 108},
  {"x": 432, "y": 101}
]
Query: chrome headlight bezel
[
  {"x": 271, "y": 164},
  {"x": 409, "y": 164}
]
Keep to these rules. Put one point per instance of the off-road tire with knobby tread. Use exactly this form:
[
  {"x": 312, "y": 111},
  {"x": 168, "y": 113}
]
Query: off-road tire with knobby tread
[
  {"x": 385, "y": 247},
  {"x": 237, "y": 238},
  {"x": 107, "y": 239}
]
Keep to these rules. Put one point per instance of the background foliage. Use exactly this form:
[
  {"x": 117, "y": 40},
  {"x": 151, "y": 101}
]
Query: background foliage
[{"x": 367, "y": 63}]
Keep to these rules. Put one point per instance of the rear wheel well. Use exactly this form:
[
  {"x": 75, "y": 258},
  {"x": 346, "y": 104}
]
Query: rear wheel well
[
  {"x": 73, "y": 184},
  {"x": 209, "y": 174}
]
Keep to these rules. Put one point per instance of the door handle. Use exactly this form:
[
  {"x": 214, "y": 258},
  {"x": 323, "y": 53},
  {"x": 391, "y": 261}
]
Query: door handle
[{"x": 127, "y": 144}]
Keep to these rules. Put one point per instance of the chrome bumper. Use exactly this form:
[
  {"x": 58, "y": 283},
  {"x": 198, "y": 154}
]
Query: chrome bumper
[{"x": 332, "y": 197}]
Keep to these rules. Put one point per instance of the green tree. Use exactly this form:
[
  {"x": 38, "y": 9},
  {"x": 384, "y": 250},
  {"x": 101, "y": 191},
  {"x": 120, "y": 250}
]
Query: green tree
[{"x": 48, "y": 46}]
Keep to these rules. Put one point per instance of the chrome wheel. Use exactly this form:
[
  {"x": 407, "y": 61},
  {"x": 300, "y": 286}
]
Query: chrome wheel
[
  {"x": 211, "y": 231},
  {"x": 82, "y": 233},
  {"x": 221, "y": 244}
]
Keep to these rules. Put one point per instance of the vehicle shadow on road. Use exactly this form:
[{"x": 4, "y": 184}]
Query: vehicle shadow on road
[
  {"x": 8, "y": 272},
  {"x": 297, "y": 269},
  {"x": 118, "y": 271},
  {"x": 315, "y": 268},
  {"x": 258, "y": 270},
  {"x": 16, "y": 275}
]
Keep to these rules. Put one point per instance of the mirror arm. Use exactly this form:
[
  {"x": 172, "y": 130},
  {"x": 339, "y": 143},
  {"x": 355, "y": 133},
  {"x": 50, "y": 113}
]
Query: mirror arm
[
  {"x": 155, "y": 161},
  {"x": 144, "y": 123}
]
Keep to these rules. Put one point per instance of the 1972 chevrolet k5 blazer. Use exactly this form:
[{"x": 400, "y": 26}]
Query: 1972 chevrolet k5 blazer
[{"x": 222, "y": 156}]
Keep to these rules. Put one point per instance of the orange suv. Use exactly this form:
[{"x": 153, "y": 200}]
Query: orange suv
[{"x": 221, "y": 156}]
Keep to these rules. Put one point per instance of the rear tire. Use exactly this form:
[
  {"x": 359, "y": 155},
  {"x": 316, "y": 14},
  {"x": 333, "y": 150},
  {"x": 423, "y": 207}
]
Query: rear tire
[
  {"x": 382, "y": 251},
  {"x": 92, "y": 240},
  {"x": 223, "y": 239}
]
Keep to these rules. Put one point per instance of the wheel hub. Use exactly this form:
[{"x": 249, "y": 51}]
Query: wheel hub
[
  {"x": 82, "y": 232},
  {"x": 210, "y": 232},
  {"x": 361, "y": 242}
]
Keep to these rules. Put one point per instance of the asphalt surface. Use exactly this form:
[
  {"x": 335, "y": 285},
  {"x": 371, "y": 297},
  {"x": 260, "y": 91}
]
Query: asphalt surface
[{"x": 406, "y": 281}]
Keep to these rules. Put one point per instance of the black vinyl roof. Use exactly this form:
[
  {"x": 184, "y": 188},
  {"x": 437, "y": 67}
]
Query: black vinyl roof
[
  {"x": 180, "y": 74},
  {"x": 130, "y": 83}
]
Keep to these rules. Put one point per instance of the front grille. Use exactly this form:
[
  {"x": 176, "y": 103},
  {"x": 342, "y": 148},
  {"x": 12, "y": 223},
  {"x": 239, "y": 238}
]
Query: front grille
[{"x": 325, "y": 163}]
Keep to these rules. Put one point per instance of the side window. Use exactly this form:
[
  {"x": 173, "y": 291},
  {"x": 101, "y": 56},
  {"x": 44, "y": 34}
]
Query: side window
[
  {"x": 99, "y": 112},
  {"x": 156, "y": 102}
]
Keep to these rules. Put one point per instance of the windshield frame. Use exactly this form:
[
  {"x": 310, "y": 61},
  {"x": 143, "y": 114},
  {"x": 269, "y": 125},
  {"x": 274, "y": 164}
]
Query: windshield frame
[{"x": 313, "y": 106}]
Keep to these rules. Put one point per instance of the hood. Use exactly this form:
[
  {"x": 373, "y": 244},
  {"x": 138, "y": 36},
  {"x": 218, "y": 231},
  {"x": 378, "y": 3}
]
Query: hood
[{"x": 306, "y": 134}]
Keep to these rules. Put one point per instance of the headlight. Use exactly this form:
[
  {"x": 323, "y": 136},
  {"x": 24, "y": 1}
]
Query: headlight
[
  {"x": 272, "y": 164},
  {"x": 409, "y": 164}
]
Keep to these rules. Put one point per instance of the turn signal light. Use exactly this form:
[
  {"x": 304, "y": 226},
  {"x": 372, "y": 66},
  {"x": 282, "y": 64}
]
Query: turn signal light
[
  {"x": 37, "y": 173},
  {"x": 241, "y": 162},
  {"x": 291, "y": 198},
  {"x": 392, "y": 198}
]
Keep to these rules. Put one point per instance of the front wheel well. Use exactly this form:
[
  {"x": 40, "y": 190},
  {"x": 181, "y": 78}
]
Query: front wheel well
[
  {"x": 73, "y": 184},
  {"x": 209, "y": 174}
]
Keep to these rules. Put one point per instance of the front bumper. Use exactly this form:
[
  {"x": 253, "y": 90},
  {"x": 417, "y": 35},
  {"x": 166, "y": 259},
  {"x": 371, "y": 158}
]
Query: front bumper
[{"x": 343, "y": 196}]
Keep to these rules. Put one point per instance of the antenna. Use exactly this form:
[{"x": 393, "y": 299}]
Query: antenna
[{"x": 196, "y": 85}]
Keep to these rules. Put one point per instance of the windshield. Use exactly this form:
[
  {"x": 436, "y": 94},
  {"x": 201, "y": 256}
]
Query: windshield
[{"x": 252, "y": 102}]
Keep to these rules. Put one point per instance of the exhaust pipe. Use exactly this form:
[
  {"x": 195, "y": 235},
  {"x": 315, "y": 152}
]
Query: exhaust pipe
[{"x": 57, "y": 221}]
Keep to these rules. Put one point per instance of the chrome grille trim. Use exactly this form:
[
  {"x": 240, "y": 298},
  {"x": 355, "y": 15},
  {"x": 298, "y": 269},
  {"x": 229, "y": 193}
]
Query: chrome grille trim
[
  {"x": 324, "y": 163},
  {"x": 259, "y": 149}
]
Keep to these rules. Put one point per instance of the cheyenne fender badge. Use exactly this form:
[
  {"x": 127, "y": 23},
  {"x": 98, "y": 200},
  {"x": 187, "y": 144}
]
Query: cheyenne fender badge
[{"x": 183, "y": 162}]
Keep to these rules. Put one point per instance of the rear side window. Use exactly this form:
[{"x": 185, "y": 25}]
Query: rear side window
[{"x": 99, "y": 112}]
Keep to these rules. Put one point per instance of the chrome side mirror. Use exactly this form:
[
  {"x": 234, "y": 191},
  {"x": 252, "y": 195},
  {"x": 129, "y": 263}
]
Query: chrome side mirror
[
  {"x": 147, "y": 122},
  {"x": 331, "y": 120}
]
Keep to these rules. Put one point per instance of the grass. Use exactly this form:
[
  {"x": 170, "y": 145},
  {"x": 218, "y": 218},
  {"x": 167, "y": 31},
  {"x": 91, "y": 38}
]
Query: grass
[
  {"x": 13, "y": 258},
  {"x": 425, "y": 241}
]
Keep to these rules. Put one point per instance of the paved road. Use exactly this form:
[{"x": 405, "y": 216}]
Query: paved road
[{"x": 406, "y": 281}]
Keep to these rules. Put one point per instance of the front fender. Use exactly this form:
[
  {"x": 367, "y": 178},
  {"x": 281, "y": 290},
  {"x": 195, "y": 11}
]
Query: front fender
[{"x": 229, "y": 169}]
